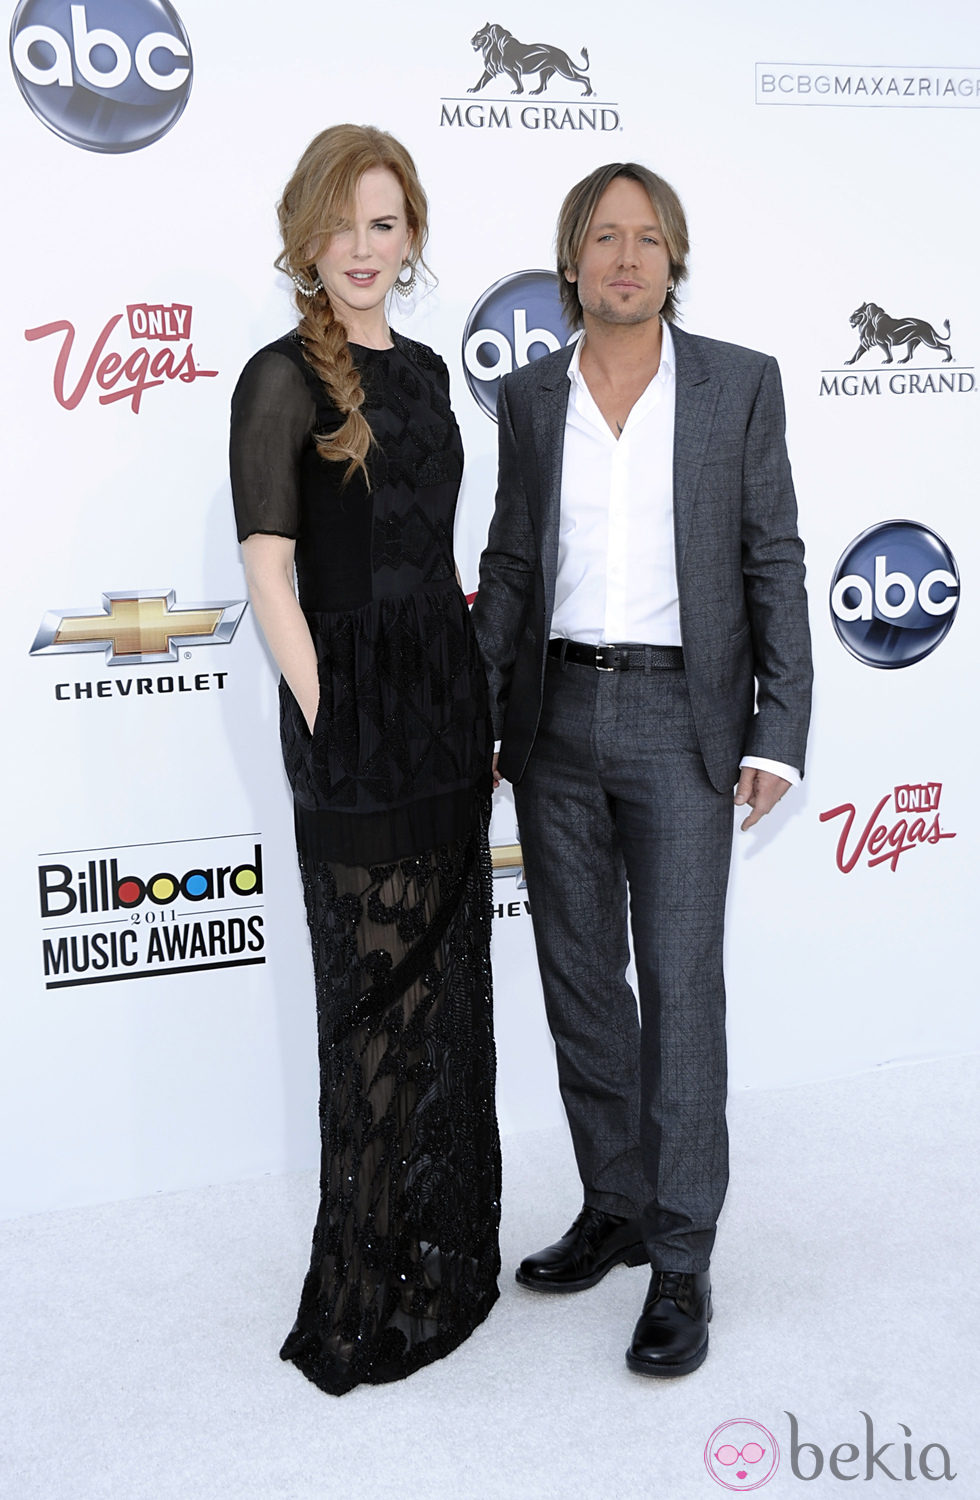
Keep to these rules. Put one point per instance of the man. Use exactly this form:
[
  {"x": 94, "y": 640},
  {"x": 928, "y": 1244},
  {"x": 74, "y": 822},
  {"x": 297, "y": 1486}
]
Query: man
[{"x": 643, "y": 618}]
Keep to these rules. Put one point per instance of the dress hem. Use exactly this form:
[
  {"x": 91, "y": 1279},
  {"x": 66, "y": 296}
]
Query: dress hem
[{"x": 423, "y": 1354}]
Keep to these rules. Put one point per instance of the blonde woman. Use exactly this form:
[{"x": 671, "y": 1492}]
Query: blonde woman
[{"x": 346, "y": 462}]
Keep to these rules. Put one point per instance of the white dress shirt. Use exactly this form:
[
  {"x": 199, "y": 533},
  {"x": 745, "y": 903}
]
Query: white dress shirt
[
  {"x": 617, "y": 571},
  {"x": 617, "y": 576}
]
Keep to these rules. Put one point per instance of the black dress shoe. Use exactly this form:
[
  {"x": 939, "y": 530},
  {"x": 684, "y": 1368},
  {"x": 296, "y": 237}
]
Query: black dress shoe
[
  {"x": 595, "y": 1243},
  {"x": 671, "y": 1337}
]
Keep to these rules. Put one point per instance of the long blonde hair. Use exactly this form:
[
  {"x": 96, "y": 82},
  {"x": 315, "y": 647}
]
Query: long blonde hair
[{"x": 318, "y": 196}]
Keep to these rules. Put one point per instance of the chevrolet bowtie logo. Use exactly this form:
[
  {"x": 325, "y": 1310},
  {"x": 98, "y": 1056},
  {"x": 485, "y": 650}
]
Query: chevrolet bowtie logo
[
  {"x": 505, "y": 857},
  {"x": 138, "y": 627},
  {"x": 505, "y": 860}
]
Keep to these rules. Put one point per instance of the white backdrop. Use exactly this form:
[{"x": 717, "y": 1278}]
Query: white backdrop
[{"x": 814, "y": 184}]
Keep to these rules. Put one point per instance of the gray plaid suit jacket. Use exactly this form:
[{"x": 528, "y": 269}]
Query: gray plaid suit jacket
[{"x": 740, "y": 574}]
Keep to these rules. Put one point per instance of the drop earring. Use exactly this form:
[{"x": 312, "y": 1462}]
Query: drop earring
[
  {"x": 406, "y": 288},
  {"x": 304, "y": 287}
]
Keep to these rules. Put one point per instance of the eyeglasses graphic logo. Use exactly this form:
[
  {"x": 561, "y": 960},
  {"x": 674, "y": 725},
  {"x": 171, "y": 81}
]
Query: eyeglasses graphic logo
[
  {"x": 518, "y": 319},
  {"x": 741, "y": 1455},
  {"x": 138, "y": 627},
  {"x": 108, "y": 76}
]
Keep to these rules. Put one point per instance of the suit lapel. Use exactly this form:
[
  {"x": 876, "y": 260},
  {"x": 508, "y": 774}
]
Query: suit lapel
[
  {"x": 697, "y": 394},
  {"x": 550, "y": 405}
]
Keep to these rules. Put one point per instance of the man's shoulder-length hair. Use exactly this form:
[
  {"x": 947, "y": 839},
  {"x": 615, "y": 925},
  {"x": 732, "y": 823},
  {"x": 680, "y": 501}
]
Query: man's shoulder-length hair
[{"x": 576, "y": 216}]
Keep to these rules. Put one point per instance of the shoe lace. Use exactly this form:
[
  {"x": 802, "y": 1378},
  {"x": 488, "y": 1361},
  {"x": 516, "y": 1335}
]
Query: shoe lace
[
  {"x": 590, "y": 1223},
  {"x": 679, "y": 1286}
]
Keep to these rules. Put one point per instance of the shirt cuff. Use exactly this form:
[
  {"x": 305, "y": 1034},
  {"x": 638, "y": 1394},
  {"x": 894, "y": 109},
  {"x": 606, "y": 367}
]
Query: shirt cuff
[{"x": 757, "y": 763}]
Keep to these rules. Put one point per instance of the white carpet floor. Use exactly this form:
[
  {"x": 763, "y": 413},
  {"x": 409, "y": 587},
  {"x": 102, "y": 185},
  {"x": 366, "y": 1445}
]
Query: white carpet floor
[{"x": 139, "y": 1339}]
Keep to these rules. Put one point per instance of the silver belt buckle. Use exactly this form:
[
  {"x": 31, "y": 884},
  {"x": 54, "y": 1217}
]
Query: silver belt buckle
[{"x": 598, "y": 664}]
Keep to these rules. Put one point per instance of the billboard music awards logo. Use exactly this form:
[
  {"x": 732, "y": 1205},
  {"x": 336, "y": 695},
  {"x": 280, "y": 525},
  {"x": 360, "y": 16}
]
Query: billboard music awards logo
[
  {"x": 518, "y": 319},
  {"x": 894, "y": 594},
  {"x": 882, "y": 337},
  {"x": 140, "y": 910},
  {"x": 509, "y": 63},
  {"x": 124, "y": 373},
  {"x": 138, "y": 628},
  {"x": 882, "y": 839},
  {"x": 107, "y": 75}
]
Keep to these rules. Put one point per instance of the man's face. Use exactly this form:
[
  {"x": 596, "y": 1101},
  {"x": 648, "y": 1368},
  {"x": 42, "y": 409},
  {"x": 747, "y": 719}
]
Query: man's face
[{"x": 624, "y": 265}]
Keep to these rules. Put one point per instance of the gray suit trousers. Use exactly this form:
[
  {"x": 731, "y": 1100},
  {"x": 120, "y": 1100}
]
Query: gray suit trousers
[{"x": 618, "y": 821}]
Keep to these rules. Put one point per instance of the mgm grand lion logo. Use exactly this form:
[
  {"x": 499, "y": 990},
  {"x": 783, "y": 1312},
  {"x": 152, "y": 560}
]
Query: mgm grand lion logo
[
  {"x": 503, "y": 53},
  {"x": 877, "y": 328}
]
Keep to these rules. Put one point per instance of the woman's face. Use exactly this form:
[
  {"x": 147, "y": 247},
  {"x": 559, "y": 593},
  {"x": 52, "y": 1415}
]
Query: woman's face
[{"x": 358, "y": 264}]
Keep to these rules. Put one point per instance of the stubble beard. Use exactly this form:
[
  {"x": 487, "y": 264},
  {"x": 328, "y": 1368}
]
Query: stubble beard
[{"x": 621, "y": 311}]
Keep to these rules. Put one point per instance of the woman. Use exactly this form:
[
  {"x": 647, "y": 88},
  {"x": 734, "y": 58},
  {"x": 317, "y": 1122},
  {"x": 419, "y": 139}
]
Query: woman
[{"x": 346, "y": 462}]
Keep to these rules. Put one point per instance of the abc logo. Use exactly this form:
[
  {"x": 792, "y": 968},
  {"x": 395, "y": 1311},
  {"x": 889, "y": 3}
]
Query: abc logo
[
  {"x": 894, "y": 594},
  {"x": 518, "y": 319},
  {"x": 108, "y": 75}
]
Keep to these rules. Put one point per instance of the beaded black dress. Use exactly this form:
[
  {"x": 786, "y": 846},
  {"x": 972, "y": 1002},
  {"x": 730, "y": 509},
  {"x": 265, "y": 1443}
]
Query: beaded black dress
[{"x": 391, "y": 795}]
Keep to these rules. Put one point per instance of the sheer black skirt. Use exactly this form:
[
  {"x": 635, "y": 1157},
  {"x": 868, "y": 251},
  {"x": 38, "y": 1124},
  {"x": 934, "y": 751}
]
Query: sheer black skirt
[{"x": 405, "y": 1256}]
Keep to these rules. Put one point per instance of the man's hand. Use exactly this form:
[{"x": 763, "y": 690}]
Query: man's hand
[
  {"x": 496, "y": 773},
  {"x": 761, "y": 790}
]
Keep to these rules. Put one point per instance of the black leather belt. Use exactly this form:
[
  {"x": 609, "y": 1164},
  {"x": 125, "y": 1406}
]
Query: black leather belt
[{"x": 618, "y": 658}]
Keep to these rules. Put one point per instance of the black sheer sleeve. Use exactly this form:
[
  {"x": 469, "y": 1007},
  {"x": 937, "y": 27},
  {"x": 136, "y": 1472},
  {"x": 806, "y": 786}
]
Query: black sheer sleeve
[{"x": 272, "y": 415}]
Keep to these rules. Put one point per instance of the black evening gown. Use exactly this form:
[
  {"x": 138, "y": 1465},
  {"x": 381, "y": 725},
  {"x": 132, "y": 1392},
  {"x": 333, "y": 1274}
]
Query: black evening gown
[{"x": 391, "y": 795}]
